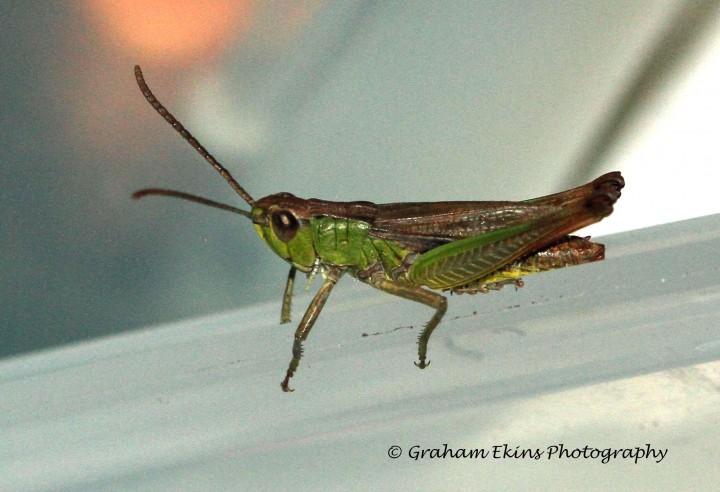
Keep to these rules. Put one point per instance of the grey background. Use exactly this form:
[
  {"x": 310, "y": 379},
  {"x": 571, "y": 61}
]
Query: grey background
[{"x": 345, "y": 100}]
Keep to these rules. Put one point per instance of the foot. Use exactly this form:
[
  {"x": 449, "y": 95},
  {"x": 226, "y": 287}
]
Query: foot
[{"x": 285, "y": 385}]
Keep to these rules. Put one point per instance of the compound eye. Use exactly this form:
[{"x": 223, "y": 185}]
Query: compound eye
[{"x": 285, "y": 225}]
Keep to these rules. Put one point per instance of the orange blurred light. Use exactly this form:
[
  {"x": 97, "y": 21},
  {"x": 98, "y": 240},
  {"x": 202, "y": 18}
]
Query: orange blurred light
[{"x": 173, "y": 30}]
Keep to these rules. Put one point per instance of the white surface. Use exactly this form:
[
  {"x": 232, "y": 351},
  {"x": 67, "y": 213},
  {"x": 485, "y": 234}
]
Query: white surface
[
  {"x": 617, "y": 354},
  {"x": 676, "y": 130}
]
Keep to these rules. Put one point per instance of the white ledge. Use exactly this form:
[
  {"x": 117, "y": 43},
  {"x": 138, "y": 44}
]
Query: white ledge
[{"x": 616, "y": 354}]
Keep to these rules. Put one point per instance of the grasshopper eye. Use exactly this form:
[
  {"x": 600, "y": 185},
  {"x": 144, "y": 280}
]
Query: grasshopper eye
[{"x": 285, "y": 225}]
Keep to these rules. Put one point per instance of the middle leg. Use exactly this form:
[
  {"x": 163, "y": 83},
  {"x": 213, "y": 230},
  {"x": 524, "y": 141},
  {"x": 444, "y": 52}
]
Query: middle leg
[{"x": 417, "y": 294}]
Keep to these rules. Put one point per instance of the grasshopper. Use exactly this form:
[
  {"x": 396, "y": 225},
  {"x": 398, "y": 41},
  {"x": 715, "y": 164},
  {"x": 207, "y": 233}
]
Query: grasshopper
[{"x": 405, "y": 249}]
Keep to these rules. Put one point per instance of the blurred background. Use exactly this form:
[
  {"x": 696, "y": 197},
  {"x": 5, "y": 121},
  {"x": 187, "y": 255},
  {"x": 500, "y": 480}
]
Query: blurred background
[{"x": 343, "y": 100}]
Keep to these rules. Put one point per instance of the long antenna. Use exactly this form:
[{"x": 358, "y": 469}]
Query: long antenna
[
  {"x": 189, "y": 197},
  {"x": 188, "y": 136}
]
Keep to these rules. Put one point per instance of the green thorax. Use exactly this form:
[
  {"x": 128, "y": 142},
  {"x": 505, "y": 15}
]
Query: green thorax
[{"x": 347, "y": 242}]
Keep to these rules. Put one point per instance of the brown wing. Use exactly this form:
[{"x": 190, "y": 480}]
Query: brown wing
[{"x": 423, "y": 226}]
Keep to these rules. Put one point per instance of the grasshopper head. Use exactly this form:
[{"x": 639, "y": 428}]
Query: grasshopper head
[{"x": 281, "y": 220}]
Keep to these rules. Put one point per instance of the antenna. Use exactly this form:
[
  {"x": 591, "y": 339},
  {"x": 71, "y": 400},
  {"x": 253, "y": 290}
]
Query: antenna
[
  {"x": 195, "y": 145},
  {"x": 189, "y": 197}
]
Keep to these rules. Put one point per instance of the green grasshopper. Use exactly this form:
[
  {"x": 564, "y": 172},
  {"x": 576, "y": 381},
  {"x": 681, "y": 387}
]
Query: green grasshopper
[{"x": 405, "y": 249}]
